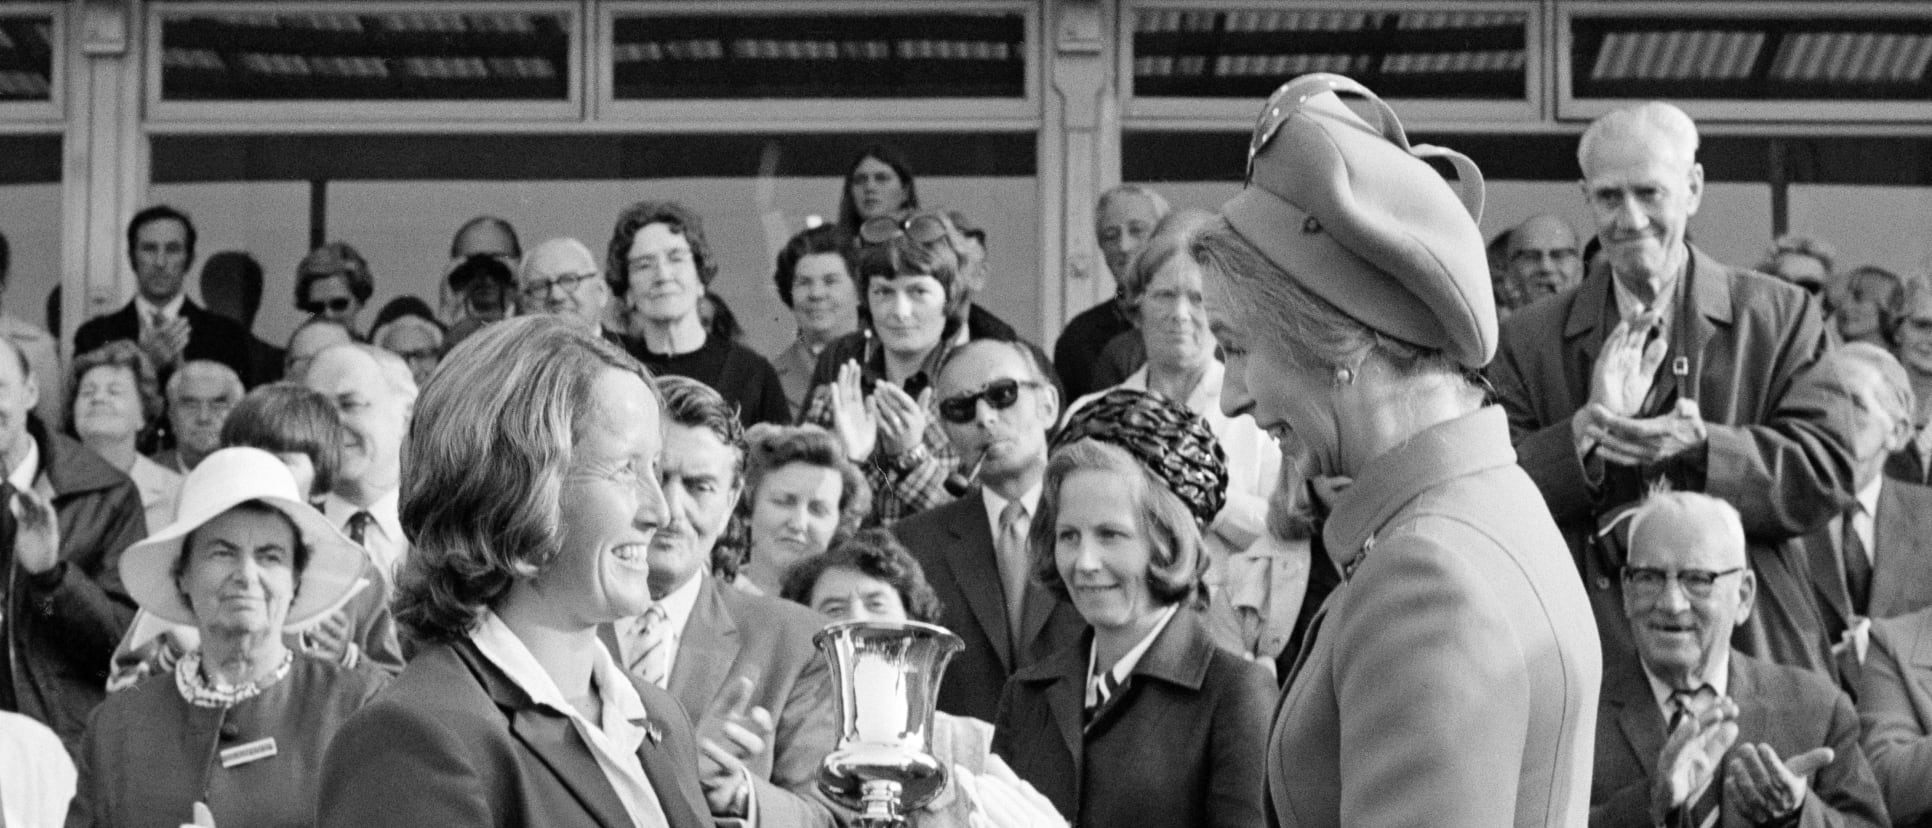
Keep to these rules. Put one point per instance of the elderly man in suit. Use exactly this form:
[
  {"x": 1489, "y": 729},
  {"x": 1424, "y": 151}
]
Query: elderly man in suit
[
  {"x": 996, "y": 405},
  {"x": 1874, "y": 559},
  {"x": 1895, "y": 712},
  {"x": 743, "y": 666},
  {"x": 171, "y": 329},
  {"x": 1667, "y": 366},
  {"x": 1691, "y": 731}
]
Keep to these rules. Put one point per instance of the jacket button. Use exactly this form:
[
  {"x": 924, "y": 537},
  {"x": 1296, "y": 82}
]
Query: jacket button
[
  {"x": 230, "y": 732},
  {"x": 1603, "y": 582}
]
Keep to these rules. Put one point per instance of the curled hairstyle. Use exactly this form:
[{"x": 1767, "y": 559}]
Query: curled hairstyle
[
  {"x": 288, "y": 417},
  {"x": 812, "y": 241},
  {"x": 1797, "y": 245},
  {"x": 483, "y": 472},
  {"x": 679, "y": 218},
  {"x": 119, "y": 353},
  {"x": 770, "y": 447},
  {"x": 1170, "y": 239},
  {"x": 874, "y": 553},
  {"x": 1859, "y": 278},
  {"x": 334, "y": 259},
  {"x": 1176, "y": 559},
  {"x": 885, "y": 154},
  {"x": 1273, "y": 305}
]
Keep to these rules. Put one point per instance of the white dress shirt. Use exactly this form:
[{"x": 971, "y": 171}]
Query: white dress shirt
[
  {"x": 1125, "y": 666},
  {"x": 384, "y": 536},
  {"x": 614, "y": 741}
]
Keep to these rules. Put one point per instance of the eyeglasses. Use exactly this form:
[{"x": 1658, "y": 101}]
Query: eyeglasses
[
  {"x": 1647, "y": 582},
  {"x": 539, "y": 288},
  {"x": 339, "y": 304},
  {"x": 924, "y": 228},
  {"x": 1000, "y": 394}
]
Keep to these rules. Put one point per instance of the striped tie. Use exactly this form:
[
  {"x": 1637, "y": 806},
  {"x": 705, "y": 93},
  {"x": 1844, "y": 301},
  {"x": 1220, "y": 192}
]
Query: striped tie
[
  {"x": 1702, "y": 811},
  {"x": 651, "y": 648},
  {"x": 1102, "y": 687}
]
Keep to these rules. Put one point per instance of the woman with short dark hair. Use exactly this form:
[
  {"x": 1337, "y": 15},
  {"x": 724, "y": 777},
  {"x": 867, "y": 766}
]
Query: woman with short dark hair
[
  {"x": 814, "y": 276},
  {"x": 531, "y": 495},
  {"x": 878, "y": 182}
]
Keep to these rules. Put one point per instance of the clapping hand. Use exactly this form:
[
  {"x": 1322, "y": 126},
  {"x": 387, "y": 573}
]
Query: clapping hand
[
  {"x": 1762, "y": 788},
  {"x": 37, "y": 540},
  {"x": 902, "y": 419},
  {"x": 1690, "y": 757},
  {"x": 732, "y": 734},
  {"x": 166, "y": 343},
  {"x": 1627, "y": 365},
  {"x": 853, "y": 417}
]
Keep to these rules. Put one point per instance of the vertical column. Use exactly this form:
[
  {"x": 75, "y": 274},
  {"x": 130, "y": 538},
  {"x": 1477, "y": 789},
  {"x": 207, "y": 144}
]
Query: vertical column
[
  {"x": 1079, "y": 149},
  {"x": 105, "y": 159}
]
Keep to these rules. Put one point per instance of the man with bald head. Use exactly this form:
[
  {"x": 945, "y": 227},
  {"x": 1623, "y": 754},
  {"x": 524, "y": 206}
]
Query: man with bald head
[
  {"x": 1734, "y": 739},
  {"x": 199, "y": 397},
  {"x": 1665, "y": 366},
  {"x": 562, "y": 277},
  {"x": 373, "y": 391},
  {"x": 1544, "y": 257}
]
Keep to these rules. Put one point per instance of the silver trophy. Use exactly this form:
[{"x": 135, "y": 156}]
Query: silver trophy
[{"x": 887, "y": 674}]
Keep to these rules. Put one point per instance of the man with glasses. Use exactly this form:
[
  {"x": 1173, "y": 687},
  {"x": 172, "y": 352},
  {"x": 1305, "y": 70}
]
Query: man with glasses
[
  {"x": 996, "y": 406},
  {"x": 1694, "y": 733},
  {"x": 561, "y": 277},
  {"x": 661, "y": 263},
  {"x": 1543, "y": 257},
  {"x": 160, "y": 319}
]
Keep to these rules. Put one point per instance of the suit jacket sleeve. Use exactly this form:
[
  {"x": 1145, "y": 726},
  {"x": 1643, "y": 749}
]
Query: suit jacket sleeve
[
  {"x": 1844, "y": 792},
  {"x": 1547, "y": 451},
  {"x": 83, "y": 597},
  {"x": 390, "y": 766},
  {"x": 1404, "y": 760},
  {"x": 806, "y": 734},
  {"x": 1899, "y": 749},
  {"x": 1629, "y": 807},
  {"x": 1787, "y": 474},
  {"x": 1240, "y": 744}
]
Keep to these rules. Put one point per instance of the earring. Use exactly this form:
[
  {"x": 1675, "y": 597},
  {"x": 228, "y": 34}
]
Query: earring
[{"x": 1344, "y": 376}]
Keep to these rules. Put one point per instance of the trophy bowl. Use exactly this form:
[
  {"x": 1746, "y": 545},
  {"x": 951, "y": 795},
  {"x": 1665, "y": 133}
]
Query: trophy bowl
[{"x": 887, "y": 677}]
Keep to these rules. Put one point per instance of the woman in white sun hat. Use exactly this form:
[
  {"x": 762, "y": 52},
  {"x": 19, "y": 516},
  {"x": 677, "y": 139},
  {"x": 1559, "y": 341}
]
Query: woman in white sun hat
[{"x": 239, "y": 727}]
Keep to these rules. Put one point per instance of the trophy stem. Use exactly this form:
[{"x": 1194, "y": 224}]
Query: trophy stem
[{"x": 880, "y": 803}]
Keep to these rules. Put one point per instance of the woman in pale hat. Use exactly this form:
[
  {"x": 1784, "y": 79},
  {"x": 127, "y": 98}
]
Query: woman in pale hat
[
  {"x": 237, "y": 729},
  {"x": 1146, "y": 719},
  {"x": 1452, "y": 678}
]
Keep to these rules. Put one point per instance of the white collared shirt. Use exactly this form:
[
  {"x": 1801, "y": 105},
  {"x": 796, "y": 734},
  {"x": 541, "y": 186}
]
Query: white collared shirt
[
  {"x": 614, "y": 742},
  {"x": 677, "y": 612},
  {"x": 169, "y": 312},
  {"x": 383, "y": 538},
  {"x": 1717, "y": 674},
  {"x": 1628, "y": 304},
  {"x": 22, "y": 476},
  {"x": 1865, "y": 520},
  {"x": 1125, "y": 666}
]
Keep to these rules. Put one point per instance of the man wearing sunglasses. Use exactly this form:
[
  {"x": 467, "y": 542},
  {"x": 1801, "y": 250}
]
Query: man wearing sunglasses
[
  {"x": 160, "y": 319},
  {"x": 995, "y": 405},
  {"x": 1692, "y": 732}
]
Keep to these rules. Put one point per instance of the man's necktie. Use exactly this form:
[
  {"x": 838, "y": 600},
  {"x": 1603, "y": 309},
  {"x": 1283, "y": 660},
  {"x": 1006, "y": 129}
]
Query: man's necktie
[
  {"x": 651, "y": 653},
  {"x": 359, "y": 527},
  {"x": 1701, "y": 811},
  {"x": 1013, "y": 569},
  {"x": 1858, "y": 565}
]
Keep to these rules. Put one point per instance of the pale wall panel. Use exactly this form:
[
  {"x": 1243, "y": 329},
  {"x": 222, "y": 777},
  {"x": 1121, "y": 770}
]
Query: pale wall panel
[
  {"x": 1885, "y": 226},
  {"x": 30, "y": 216}
]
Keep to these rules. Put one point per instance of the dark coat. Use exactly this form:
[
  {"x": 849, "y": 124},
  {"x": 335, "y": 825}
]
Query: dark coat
[
  {"x": 733, "y": 633},
  {"x": 954, "y": 545},
  {"x": 210, "y": 336},
  {"x": 1776, "y": 450},
  {"x": 1790, "y": 709},
  {"x": 1895, "y": 714},
  {"x": 454, "y": 741},
  {"x": 1181, "y": 743},
  {"x": 1081, "y": 343},
  {"x": 150, "y": 755},
  {"x": 62, "y": 625}
]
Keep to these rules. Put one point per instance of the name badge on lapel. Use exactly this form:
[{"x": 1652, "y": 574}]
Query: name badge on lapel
[{"x": 245, "y": 753}]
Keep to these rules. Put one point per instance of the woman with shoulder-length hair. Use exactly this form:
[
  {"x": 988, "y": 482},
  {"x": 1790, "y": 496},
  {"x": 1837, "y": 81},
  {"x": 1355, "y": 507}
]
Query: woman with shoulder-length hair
[
  {"x": 801, "y": 496},
  {"x": 877, "y": 183},
  {"x": 531, "y": 508},
  {"x": 1452, "y": 679},
  {"x": 1145, "y": 720}
]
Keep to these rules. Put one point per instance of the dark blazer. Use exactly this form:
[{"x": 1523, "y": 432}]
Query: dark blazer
[
  {"x": 1895, "y": 712},
  {"x": 62, "y": 625},
  {"x": 954, "y": 545},
  {"x": 455, "y": 742},
  {"x": 1901, "y": 563},
  {"x": 210, "y": 336},
  {"x": 1790, "y": 709},
  {"x": 1776, "y": 450},
  {"x": 1181, "y": 743},
  {"x": 733, "y": 633}
]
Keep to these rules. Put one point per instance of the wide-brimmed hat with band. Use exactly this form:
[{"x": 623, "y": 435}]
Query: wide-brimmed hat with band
[
  {"x": 1356, "y": 215},
  {"x": 224, "y": 480}
]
